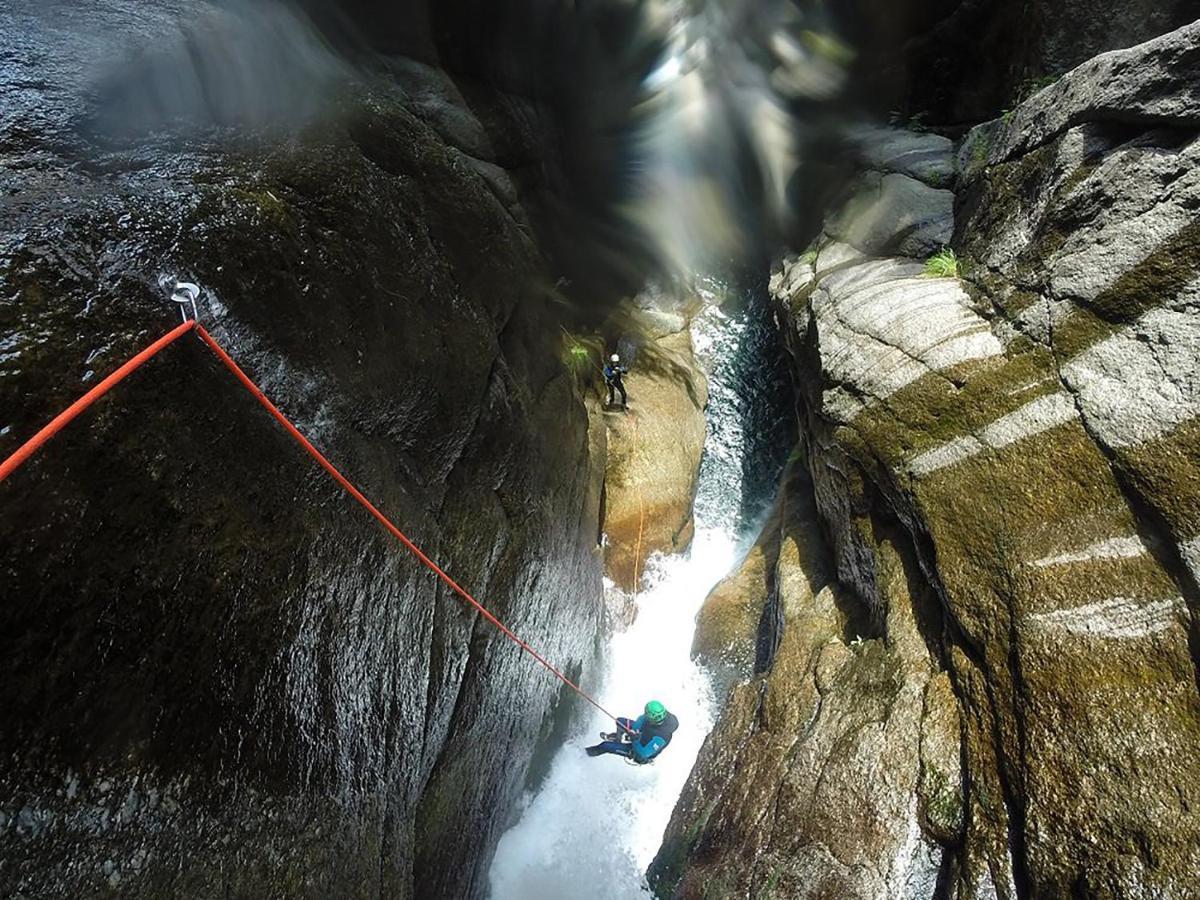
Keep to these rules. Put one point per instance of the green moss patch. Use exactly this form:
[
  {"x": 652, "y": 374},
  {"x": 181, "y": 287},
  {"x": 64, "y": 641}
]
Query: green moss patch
[
  {"x": 934, "y": 409},
  {"x": 1067, "y": 585},
  {"x": 942, "y": 802},
  {"x": 1159, "y": 278},
  {"x": 1001, "y": 194},
  {"x": 1079, "y": 330},
  {"x": 1166, "y": 472},
  {"x": 1155, "y": 282},
  {"x": 997, "y": 511},
  {"x": 671, "y": 863}
]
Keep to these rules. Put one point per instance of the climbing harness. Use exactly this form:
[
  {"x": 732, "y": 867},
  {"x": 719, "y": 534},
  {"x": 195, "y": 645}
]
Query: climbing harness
[{"x": 185, "y": 294}]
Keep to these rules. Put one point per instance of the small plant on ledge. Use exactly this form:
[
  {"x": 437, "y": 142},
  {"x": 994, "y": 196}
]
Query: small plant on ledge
[{"x": 943, "y": 264}]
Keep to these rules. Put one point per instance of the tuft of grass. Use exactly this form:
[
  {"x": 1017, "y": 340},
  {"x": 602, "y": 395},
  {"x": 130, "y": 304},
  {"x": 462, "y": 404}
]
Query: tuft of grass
[
  {"x": 577, "y": 353},
  {"x": 943, "y": 264}
]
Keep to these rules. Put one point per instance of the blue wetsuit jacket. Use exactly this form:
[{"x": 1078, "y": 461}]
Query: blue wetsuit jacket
[{"x": 650, "y": 740}]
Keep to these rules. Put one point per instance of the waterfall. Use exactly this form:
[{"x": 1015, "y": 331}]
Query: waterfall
[{"x": 594, "y": 825}]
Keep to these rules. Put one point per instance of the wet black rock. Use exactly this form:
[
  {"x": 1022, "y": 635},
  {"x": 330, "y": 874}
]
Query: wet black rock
[{"x": 219, "y": 676}]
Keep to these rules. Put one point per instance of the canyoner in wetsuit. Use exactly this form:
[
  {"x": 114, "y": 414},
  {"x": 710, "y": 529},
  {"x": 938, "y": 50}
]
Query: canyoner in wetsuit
[
  {"x": 612, "y": 377},
  {"x": 640, "y": 740}
]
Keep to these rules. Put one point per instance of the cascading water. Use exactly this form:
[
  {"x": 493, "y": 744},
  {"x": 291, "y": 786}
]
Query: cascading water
[{"x": 595, "y": 824}]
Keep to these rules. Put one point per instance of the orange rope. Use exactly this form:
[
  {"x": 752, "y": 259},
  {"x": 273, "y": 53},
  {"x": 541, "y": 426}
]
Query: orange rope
[
  {"x": 381, "y": 518},
  {"x": 31, "y": 446},
  {"x": 64, "y": 418}
]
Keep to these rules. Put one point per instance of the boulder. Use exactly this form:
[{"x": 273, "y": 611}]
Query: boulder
[
  {"x": 928, "y": 158},
  {"x": 727, "y": 626},
  {"x": 1103, "y": 268},
  {"x": 1152, "y": 84},
  {"x": 895, "y": 213},
  {"x": 957, "y": 62}
]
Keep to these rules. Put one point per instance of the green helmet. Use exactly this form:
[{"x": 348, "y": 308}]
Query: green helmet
[{"x": 655, "y": 712}]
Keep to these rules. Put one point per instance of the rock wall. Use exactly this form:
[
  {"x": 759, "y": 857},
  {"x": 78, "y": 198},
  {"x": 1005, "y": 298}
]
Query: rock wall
[
  {"x": 956, "y": 62},
  {"x": 220, "y": 678},
  {"x": 655, "y": 447},
  {"x": 967, "y": 640},
  {"x": 803, "y": 816}
]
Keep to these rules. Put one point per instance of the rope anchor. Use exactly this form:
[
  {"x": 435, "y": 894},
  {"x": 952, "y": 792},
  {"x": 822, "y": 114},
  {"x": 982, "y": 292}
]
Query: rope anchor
[{"x": 183, "y": 293}]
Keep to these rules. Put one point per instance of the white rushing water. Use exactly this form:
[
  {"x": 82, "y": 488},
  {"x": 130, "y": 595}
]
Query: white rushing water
[{"x": 595, "y": 824}]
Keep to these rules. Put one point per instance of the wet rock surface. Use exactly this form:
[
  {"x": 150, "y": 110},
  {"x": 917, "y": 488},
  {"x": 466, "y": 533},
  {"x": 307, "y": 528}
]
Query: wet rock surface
[
  {"x": 219, "y": 676},
  {"x": 999, "y": 468},
  {"x": 654, "y": 447},
  {"x": 803, "y": 816}
]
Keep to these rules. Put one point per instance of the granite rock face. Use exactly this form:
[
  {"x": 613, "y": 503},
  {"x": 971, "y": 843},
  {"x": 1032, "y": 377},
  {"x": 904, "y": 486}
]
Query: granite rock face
[
  {"x": 845, "y": 748},
  {"x": 996, "y": 630},
  {"x": 654, "y": 447},
  {"x": 220, "y": 678}
]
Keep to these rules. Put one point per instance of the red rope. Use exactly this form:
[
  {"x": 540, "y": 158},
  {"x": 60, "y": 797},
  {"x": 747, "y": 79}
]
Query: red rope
[
  {"x": 381, "y": 518},
  {"x": 26, "y": 450},
  {"x": 31, "y": 446}
]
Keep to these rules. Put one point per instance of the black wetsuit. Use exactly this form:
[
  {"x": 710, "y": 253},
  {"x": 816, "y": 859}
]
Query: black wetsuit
[{"x": 612, "y": 377}]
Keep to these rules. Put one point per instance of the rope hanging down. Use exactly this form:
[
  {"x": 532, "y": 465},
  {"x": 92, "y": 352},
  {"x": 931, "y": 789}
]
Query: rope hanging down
[{"x": 26, "y": 450}]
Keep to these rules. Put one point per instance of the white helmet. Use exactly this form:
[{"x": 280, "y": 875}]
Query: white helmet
[{"x": 616, "y": 357}]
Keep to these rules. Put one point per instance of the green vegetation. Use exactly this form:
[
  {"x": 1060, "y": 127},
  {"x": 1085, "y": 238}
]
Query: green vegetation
[
  {"x": 943, "y": 264},
  {"x": 768, "y": 890},
  {"x": 1031, "y": 86},
  {"x": 672, "y": 862},
  {"x": 1028, "y": 88},
  {"x": 577, "y": 354},
  {"x": 718, "y": 887},
  {"x": 914, "y": 123},
  {"x": 942, "y": 180},
  {"x": 979, "y": 151},
  {"x": 943, "y": 803}
]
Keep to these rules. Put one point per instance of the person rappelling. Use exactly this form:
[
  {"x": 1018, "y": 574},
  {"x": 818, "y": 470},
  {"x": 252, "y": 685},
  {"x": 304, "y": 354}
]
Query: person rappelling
[
  {"x": 612, "y": 377},
  {"x": 640, "y": 740}
]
